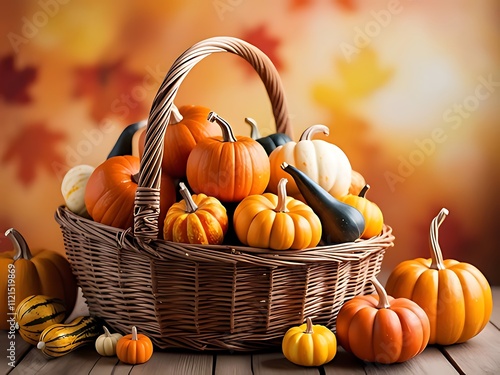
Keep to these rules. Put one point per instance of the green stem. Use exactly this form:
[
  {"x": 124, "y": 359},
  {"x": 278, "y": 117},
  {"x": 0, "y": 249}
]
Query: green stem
[
  {"x": 308, "y": 133},
  {"x": 436, "y": 254},
  {"x": 186, "y": 195},
  {"x": 227, "y": 131},
  {"x": 21, "y": 247},
  {"x": 383, "y": 300}
]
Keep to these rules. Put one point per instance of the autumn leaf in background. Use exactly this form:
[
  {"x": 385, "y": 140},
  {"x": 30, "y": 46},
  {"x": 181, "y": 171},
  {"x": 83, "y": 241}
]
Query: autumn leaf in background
[
  {"x": 113, "y": 91},
  {"x": 15, "y": 82},
  {"x": 267, "y": 43},
  {"x": 34, "y": 148}
]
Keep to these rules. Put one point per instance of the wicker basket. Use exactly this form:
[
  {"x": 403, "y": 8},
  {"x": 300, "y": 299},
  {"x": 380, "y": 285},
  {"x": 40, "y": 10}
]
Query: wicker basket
[{"x": 209, "y": 297}]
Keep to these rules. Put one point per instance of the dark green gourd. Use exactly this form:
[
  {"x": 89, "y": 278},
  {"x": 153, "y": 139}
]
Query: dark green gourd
[
  {"x": 341, "y": 222},
  {"x": 270, "y": 142},
  {"x": 123, "y": 145}
]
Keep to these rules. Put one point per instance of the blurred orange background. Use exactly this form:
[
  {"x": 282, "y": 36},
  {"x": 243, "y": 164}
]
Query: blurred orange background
[{"x": 409, "y": 89}]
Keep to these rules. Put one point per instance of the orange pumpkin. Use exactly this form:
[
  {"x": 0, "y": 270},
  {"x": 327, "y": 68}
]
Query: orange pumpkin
[
  {"x": 276, "y": 221},
  {"x": 134, "y": 348},
  {"x": 196, "y": 219},
  {"x": 187, "y": 126},
  {"x": 23, "y": 274},
  {"x": 374, "y": 219},
  {"x": 323, "y": 162},
  {"x": 110, "y": 192},
  {"x": 455, "y": 295},
  {"x": 228, "y": 168},
  {"x": 383, "y": 329}
]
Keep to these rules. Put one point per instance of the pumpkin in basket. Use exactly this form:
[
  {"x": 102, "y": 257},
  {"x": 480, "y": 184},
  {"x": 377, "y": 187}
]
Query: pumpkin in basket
[
  {"x": 196, "y": 219},
  {"x": 187, "y": 126},
  {"x": 455, "y": 295},
  {"x": 324, "y": 162},
  {"x": 23, "y": 274},
  {"x": 383, "y": 329},
  {"x": 276, "y": 221},
  {"x": 228, "y": 168},
  {"x": 110, "y": 192}
]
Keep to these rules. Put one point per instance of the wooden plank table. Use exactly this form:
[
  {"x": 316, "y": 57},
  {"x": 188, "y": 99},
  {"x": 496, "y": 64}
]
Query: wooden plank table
[{"x": 480, "y": 355}]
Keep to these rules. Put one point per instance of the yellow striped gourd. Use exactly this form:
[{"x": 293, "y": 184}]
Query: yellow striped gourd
[
  {"x": 35, "y": 313},
  {"x": 60, "y": 339}
]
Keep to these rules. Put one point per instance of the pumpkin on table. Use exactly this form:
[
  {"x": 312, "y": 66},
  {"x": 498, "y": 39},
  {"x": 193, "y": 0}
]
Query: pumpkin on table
[
  {"x": 105, "y": 344},
  {"x": 322, "y": 161},
  {"x": 309, "y": 345},
  {"x": 228, "y": 168},
  {"x": 197, "y": 219},
  {"x": 277, "y": 222},
  {"x": 383, "y": 329},
  {"x": 134, "y": 348},
  {"x": 43, "y": 273},
  {"x": 188, "y": 125},
  {"x": 455, "y": 295}
]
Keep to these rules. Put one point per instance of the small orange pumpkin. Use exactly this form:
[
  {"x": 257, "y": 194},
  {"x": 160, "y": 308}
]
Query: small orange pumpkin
[
  {"x": 455, "y": 295},
  {"x": 228, "y": 168},
  {"x": 374, "y": 219},
  {"x": 276, "y": 221},
  {"x": 196, "y": 219},
  {"x": 383, "y": 329},
  {"x": 134, "y": 348}
]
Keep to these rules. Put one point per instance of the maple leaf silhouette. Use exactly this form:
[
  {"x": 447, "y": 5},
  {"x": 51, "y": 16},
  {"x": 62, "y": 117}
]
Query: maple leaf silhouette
[
  {"x": 113, "y": 91},
  {"x": 14, "y": 83},
  {"x": 34, "y": 148},
  {"x": 268, "y": 44}
]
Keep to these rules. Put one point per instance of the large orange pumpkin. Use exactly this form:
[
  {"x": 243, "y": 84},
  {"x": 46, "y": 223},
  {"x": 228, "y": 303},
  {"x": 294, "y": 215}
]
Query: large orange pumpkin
[
  {"x": 23, "y": 274},
  {"x": 228, "y": 168},
  {"x": 110, "y": 192},
  {"x": 383, "y": 329},
  {"x": 455, "y": 295},
  {"x": 187, "y": 126}
]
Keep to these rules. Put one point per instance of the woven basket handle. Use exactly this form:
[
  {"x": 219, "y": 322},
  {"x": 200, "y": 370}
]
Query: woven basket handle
[{"x": 147, "y": 198}]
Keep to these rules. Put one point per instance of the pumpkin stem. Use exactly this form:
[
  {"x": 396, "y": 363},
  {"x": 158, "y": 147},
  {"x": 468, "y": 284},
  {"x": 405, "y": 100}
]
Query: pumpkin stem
[
  {"x": 363, "y": 191},
  {"x": 21, "y": 247},
  {"x": 135, "y": 177},
  {"x": 383, "y": 300},
  {"x": 436, "y": 254},
  {"x": 175, "y": 115},
  {"x": 307, "y": 134},
  {"x": 186, "y": 195},
  {"x": 134, "y": 333},
  {"x": 227, "y": 131},
  {"x": 309, "y": 326},
  {"x": 254, "y": 134},
  {"x": 281, "y": 206},
  {"x": 106, "y": 331}
]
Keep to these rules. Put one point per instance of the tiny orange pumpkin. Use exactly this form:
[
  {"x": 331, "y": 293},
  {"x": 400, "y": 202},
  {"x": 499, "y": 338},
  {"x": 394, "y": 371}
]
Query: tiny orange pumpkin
[{"x": 134, "y": 348}]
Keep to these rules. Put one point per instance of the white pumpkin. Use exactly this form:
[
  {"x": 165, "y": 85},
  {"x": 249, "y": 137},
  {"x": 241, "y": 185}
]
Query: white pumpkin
[
  {"x": 322, "y": 161},
  {"x": 105, "y": 344},
  {"x": 73, "y": 188}
]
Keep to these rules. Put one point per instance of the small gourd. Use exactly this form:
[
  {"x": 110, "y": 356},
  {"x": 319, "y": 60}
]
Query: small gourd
[
  {"x": 383, "y": 329},
  {"x": 105, "y": 344},
  {"x": 269, "y": 142},
  {"x": 309, "y": 345},
  {"x": 340, "y": 221},
  {"x": 37, "y": 312},
  {"x": 73, "y": 188},
  {"x": 374, "y": 219},
  {"x": 134, "y": 348},
  {"x": 125, "y": 144}
]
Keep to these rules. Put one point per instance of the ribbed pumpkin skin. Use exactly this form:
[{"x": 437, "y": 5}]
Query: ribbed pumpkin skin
[
  {"x": 181, "y": 137},
  {"x": 134, "y": 348},
  {"x": 60, "y": 339},
  {"x": 35, "y": 313},
  {"x": 374, "y": 219},
  {"x": 257, "y": 224},
  {"x": 207, "y": 225},
  {"x": 228, "y": 171},
  {"x": 457, "y": 299}
]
